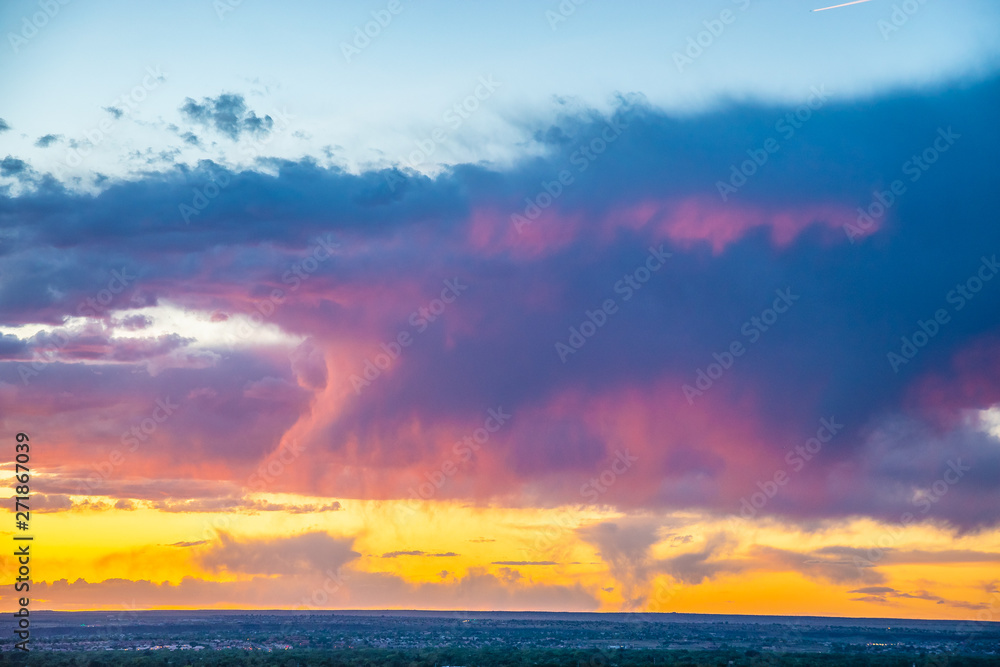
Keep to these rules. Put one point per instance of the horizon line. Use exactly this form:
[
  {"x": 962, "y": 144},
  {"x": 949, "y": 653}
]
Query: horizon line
[{"x": 501, "y": 611}]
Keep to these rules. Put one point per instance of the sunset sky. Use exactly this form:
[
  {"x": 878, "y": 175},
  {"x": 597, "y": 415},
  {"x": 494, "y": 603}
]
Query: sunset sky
[{"x": 687, "y": 306}]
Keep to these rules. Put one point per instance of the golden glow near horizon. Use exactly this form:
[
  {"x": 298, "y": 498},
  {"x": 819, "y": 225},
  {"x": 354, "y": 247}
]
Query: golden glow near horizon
[{"x": 518, "y": 558}]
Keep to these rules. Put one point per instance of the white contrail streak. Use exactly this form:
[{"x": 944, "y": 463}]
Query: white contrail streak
[{"x": 856, "y": 2}]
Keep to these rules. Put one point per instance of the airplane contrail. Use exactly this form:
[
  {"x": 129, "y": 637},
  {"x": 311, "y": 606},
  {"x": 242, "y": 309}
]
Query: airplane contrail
[{"x": 856, "y": 2}]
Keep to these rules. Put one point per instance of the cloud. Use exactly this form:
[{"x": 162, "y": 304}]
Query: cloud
[
  {"x": 47, "y": 140},
  {"x": 885, "y": 594},
  {"x": 698, "y": 566},
  {"x": 228, "y": 114},
  {"x": 49, "y": 502},
  {"x": 510, "y": 576},
  {"x": 397, "y": 554},
  {"x": 3, "y": 125},
  {"x": 873, "y": 590},
  {"x": 241, "y": 504},
  {"x": 908, "y": 556},
  {"x": 94, "y": 342},
  {"x": 824, "y": 564},
  {"x": 477, "y": 590},
  {"x": 625, "y": 547},
  {"x": 12, "y": 347},
  {"x": 12, "y": 166},
  {"x": 134, "y": 322},
  {"x": 403, "y": 234},
  {"x": 524, "y": 562},
  {"x": 296, "y": 554},
  {"x": 112, "y": 488}
]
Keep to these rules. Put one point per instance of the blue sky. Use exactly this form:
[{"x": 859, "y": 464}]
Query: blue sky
[{"x": 370, "y": 108}]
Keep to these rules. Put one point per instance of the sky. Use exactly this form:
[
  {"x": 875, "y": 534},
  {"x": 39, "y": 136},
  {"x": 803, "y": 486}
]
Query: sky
[{"x": 529, "y": 306}]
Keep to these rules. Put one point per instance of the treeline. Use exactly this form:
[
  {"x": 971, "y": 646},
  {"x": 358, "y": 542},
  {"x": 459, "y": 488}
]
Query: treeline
[{"x": 478, "y": 658}]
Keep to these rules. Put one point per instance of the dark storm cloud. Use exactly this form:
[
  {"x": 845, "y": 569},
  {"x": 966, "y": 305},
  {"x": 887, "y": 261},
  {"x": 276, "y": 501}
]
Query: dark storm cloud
[
  {"x": 12, "y": 347},
  {"x": 655, "y": 185},
  {"x": 218, "y": 419}
]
